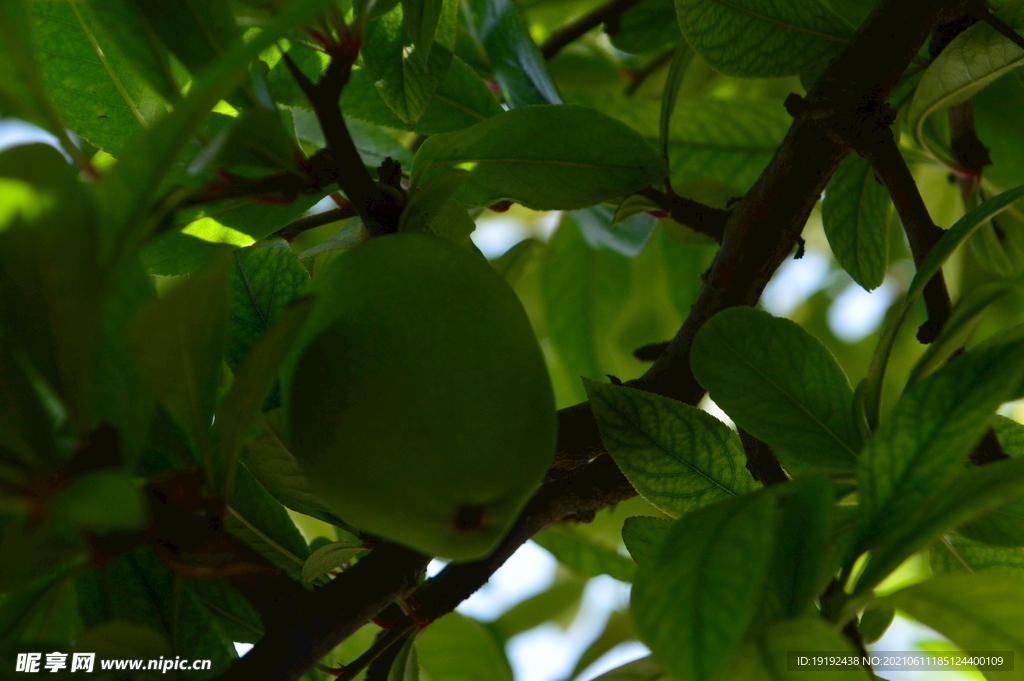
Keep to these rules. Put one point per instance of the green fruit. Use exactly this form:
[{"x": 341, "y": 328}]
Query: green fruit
[{"x": 419, "y": 404}]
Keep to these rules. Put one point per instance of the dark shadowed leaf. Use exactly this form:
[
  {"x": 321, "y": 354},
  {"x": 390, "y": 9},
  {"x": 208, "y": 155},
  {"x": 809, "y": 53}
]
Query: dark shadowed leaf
[
  {"x": 762, "y": 38},
  {"x": 544, "y": 157},
  {"x": 855, "y": 212},
  {"x": 704, "y": 584}
]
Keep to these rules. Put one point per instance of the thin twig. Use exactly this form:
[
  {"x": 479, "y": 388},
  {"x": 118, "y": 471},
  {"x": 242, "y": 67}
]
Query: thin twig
[
  {"x": 922, "y": 233},
  {"x": 388, "y": 638},
  {"x": 308, "y": 222},
  {"x": 606, "y": 14},
  {"x": 648, "y": 70},
  {"x": 376, "y": 208},
  {"x": 693, "y": 214},
  {"x": 980, "y": 10}
]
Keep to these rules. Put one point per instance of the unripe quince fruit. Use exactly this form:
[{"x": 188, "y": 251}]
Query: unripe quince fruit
[{"x": 418, "y": 402}]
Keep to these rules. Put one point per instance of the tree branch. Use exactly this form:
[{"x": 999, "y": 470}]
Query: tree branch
[
  {"x": 695, "y": 215},
  {"x": 377, "y": 208},
  {"x": 308, "y": 222},
  {"x": 922, "y": 233},
  {"x": 304, "y": 626},
  {"x": 758, "y": 236},
  {"x": 606, "y": 14}
]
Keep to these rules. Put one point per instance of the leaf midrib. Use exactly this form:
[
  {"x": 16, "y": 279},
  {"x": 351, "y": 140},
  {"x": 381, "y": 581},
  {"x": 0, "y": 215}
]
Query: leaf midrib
[{"x": 831, "y": 433}]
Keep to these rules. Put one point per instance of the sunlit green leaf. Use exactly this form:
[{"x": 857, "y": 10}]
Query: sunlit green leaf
[{"x": 678, "y": 457}]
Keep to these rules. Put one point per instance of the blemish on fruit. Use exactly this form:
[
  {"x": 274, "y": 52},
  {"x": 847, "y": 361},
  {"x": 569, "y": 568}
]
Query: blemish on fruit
[{"x": 468, "y": 518}]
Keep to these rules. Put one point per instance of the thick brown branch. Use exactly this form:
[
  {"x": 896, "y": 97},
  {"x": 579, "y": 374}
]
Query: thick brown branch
[
  {"x": 606, "y": 14},
  {"x": 306, "y": 625},
  {"x": 695, "y": 215},
  {"x": 599, "y": 484}
]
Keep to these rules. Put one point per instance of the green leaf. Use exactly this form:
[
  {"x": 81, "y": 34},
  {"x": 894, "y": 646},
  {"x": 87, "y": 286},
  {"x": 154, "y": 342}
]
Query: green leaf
[
  {"x": 127, "y": 27},
  {"x": 694, "y": 602},
  {"x": 600, "y": 229},
  {"x": 999, "y": 244},
  {"x": 644, "y": 669},
  {"x": 22, "y": 91},
  {"x": 1004, "y": 526},
  {"x": 198, "y": 33},
  {"x": 965, "y": 555},
  {"x": 232, "y": 611},
  {"x": 42, "y": 610},
  {"x": 548, "y": 605},
  {"x": 90, "y": 84},
  {"x": 676, "y": 70},
  {"x": 995, "y": 109},
  {"x": 978, "y": 612},
  {"x": 405, "y": 78},
  {"x": 101, "y": 502},
  {"x": 122, "y": 638},
  {"x": 762, "y": 38},
  {"x": 131, "y": 187},
  {"x": 254, "y": 379},
  {"x": 461, "y": 100},
  {"x": 855, "y": 215},
  {"x": 328, "y": 557},
  {"x": 965, "y": 498},
  {"x": 421, "y": 18},
  {"x": 923, "y": 442},
  {"x": 767, "y": 655},
  {"x": 373, "y": 143},
  {"x": 678, "y": 457},
  {"x": 727, "y": 140},
  {"x": 406, "y": 666},
  {"x": 544, "y": 157},
  {"x": 123, "y": 398},
  {"x": 781, "y": 384},
  {"x": 515, "y": 60},
  {"x": 266, "y": 278},
  {"x": 584, "y": 291},
  {"x": 875, "y": 621},
  {"x": 427, "y": 201},
  {"x": 268, "y": 458},
  {"x": 800, "y": 568},
  {"x": 950, "y": 240},
  {"x": 51, "y": 282},
  {"x": 619, "y": 629},
  {"x": 140, "y": 588},
  {"x": 459, "y": 648},
  {"x": 584, "y": 556},
  {"x": 260, "y": 521},
  {"x": 974, "y": 59},
  {"x": 647, "y": 26},
  {"x": 178, "y": 343},
  {"x": 199, "y": 236},
  {"x": 643, "y": 535},
  {"x": 958, "y": 328}
]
